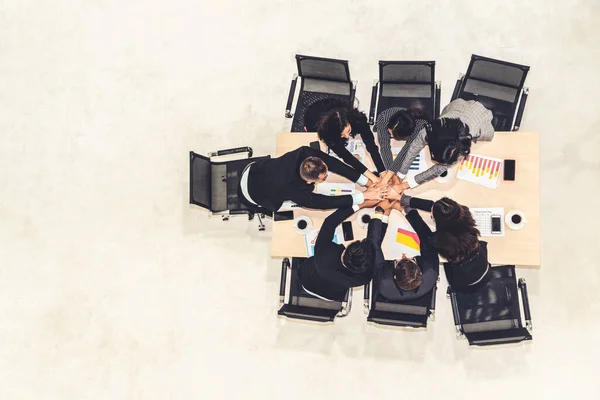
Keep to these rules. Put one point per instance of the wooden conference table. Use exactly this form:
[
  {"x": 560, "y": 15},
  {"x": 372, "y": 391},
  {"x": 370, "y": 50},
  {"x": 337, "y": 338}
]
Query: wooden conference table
[{"x": 516, "y": 247}]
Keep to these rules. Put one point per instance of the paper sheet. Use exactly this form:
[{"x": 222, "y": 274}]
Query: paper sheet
[
  {"x": 483, "y": 219},
  {"x": 416, "y": 165},
  {"x": 354, "y": 146},
  {"x": 311, "y": 238},
  {"x": 482, "y": 170},
  {"x": 335, "y": 189},
  {"x": 401, "y": 238},
  {"x": 287, "y": 205}
]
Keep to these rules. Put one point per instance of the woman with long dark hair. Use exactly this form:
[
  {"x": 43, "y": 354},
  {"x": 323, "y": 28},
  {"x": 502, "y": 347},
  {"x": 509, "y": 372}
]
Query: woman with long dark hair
[
  {"x": 400, "y": 124},
  {"x": 449, "y": 139},
  {"x": 457, "y": 240},
  {"x": 335, "y": 122}
]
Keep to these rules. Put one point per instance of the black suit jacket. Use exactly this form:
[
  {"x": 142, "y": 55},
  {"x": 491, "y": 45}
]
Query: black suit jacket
[
  {"x": 358, "y": 122},
  {"x": 324, "y": 274},
  {"x": 272, "y": 181},
  {"x": 428, "y": 262},
  {"x": 462, "y": 275}
]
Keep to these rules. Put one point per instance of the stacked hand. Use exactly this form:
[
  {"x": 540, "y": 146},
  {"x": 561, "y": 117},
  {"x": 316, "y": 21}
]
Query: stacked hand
[
  {"x": 376, "y": 192},
  {"x": 387, "y": 205}
]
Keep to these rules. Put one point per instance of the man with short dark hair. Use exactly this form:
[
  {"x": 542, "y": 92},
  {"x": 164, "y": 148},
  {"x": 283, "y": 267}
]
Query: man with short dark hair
[
  {"x": 335, "y": 268},
  {"x": 268, "y": 183},
  {"x": 410, "y": 278}
]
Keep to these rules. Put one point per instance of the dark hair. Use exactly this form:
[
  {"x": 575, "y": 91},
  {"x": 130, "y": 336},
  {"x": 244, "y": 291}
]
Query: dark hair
[
  {"x": 360, "y": 256},
  {"x": 448, "y": 139},
  {"x": 456, "y": 235},
  {"x": 330, "y": 127},
  {"x": 403, "y": 122},
  {"x": 408, "y": 274},
  {"x": 312, "y": 168}
]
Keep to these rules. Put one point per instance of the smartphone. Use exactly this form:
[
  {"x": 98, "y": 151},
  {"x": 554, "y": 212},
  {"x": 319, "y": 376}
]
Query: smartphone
[
  {"x": 348, "y": 232},
  {"x": 496, "y": 223},
  {"x": 509, "y": 170}
]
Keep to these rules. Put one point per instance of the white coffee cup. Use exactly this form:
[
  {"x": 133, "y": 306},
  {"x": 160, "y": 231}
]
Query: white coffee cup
[
  {"x": 302, "y": 224},
  {"x": 515, "y": 220},
  {"x": 444, "y": 179},
  {"x": 363, "y": 217}
]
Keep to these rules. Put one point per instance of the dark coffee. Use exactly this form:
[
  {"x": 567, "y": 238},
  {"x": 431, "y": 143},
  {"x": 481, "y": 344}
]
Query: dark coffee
[
  {"x": 366, "y": 218},
  {"x": 444, "y": 174},
  {"x": 516, "y": 219},
  {"x": 302, "y": 224}
]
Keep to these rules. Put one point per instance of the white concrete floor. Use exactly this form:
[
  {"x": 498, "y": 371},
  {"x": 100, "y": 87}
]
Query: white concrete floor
[{"x": 112, "y": 287}]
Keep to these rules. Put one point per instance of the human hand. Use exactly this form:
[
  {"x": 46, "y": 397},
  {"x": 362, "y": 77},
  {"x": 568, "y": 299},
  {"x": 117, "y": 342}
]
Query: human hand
[
  {"x": 382, "y": 182},
  {"x": 400, "y": 188},
  {"x": 376, "y": 193},
  {"x": 396, "y": 180},
  {"x": 393, "y": 194},
  {"x": 368, "y": 204},
  {"x": 387, "y": 206},
  {"x": 397, "y": 206},
  {"x": 373, "y": 179}
]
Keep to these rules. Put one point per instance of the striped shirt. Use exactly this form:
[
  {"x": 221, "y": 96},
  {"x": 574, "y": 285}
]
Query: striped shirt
[
  {"x": 471, "y": 113},
  {"x": 384, "y": 138}
]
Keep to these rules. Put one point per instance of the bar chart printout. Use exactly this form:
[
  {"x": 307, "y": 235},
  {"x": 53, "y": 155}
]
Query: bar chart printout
[
  {"x": 482, "y": 170},
  {"x": 334, "y": 189}
]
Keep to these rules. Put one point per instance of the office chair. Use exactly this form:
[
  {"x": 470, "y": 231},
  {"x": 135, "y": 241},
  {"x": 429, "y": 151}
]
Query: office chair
[
  {"x": 214, "y": 184},
  {"x": 322, "y": 78},
  {"x": 492, "y": 314},
  {"x": 498, "y": 85},
  {"x": 413, "y": 313},
  {"x": 302, "y": 305},
  {"x": 406, "y": 84}
]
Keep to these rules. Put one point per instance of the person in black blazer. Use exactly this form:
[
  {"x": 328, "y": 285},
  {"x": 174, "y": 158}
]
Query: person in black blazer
[
  {"x": 336, "y": 121},
  {"x": 269, "y": 182},
  {"x": 409, "y": 278},
  {"x": 335, "y": 268},
  {"x": 457, "y": 240}
]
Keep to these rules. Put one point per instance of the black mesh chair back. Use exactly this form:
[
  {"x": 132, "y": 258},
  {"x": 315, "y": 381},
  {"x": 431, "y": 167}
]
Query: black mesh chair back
[
  {"x": 214, "y": 184},
  {"x": 406, "y": 84},
  {"x": 321, "y": 78},
  {"x": 492, "y": 314},
  {"x": 413, "y": 313},
  {"x": 301, "y": 304},
  {"x": 200, "y": 181},
  {"x": 498, "y": 85}
]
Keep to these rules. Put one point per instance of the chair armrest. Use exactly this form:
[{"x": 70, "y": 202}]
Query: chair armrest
[
  {"x": 457, "y": 324},
  {"x": 434, "y": 290},
  {"x": 373, "y": 103},
  {"x": 366, "y": 302},
  {"x": 352, "y": 92},
  {"x": 457, "y": 87},
  {"x": 526, "y": 310},
  {"x": 521, "y": 109},
  {"x": 234, "y": 150},
  {"x": 452, "y": 296},
  {"x": 438, "y": 93},
  {"x": 290, "y": 100},
  {"x": 285, "y": 264}
]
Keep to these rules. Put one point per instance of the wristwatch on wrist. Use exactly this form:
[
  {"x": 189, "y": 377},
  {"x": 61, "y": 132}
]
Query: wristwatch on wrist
[{"x": 378, "y": 209}]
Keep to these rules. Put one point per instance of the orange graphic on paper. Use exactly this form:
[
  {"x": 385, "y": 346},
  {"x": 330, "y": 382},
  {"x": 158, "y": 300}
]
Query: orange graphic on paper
[{"x": 408, "y": 239}]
